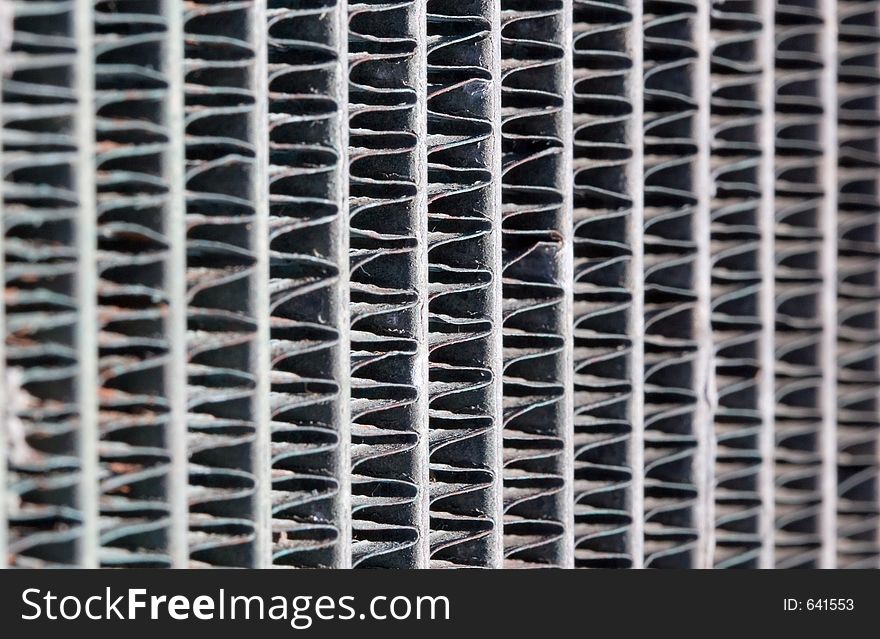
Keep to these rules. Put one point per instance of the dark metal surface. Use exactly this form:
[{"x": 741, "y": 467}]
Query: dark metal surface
[{"x": 440, "y": 283}]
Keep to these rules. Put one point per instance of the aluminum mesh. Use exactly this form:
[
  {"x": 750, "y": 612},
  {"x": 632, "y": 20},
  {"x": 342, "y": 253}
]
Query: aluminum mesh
[{"x": 440, "y": 283}]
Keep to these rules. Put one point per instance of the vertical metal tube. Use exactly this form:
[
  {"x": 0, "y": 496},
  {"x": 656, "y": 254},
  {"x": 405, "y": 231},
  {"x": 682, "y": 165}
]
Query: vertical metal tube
[
  {"x": 677, "y": 411},
  {"x": 495, "y": 259},
  {"x": 704, "y": 363},
  {"x": 607, "y": 284},
  {"x": 440, "y": 283},
  {"x": 175, "y": 230},
  {"x": 566, "y": 261},
  {"x": 225, "y": 208},
  {"x": 48, "y": 226},
  {"x": 635, "y": 135},
  {"x": 343, "y": 298},
  {"x": 262, "y": 409}
]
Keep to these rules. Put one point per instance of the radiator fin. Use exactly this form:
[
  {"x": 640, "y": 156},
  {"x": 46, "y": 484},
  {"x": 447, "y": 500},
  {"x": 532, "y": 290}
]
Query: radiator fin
[
  {"x": 388, "y": 327},
  {"x": 440, "y": 283},
  {"x": 737, "y": 280},
  {"x": 858, "y": 285}
]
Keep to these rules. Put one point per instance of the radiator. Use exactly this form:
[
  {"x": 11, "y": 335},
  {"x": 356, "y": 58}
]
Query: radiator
[{"x": 440, "y": 283}]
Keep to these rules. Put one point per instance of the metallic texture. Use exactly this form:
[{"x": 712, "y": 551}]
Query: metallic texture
[
  {"x": 388, "y": 329},
  {"x": 798, "y": 340},
  {"x": 464, "y": 289},
  {"x": 673, "y": 396},
  {"x": 440, "y": 283},
  {"x": 221, "y": 211},
  {"x": 45, "y": 220},
  {"x": 737, "y": 281},
  {"x": 535, "y": 195},
  {"x": 607, "y": 283},
  {"x": 308, "y": 273},
  {"x": 858, "y": 285}
]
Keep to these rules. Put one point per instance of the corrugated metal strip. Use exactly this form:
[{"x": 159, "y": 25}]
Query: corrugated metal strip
[
  {"x": 607, "y": 284},
  {"x": 6, "y": 17},
  {"x": 133, "y": 174},
  {"x": 675, "y": 355},
  {"x": 737, "y": 280},
  {"x": 387, "y": 252},
  {"x": 858, "y": 285},
  {"x": 464, "y": 213},
  {"x": 535, "y": 329},
  {"x": 308, "y": 137},
  {"x": 766, "y": 57},
  {"x": 175, "y": 230},
  {"x": 801, "y": 214},
  {"x": 829, "y": 225}
]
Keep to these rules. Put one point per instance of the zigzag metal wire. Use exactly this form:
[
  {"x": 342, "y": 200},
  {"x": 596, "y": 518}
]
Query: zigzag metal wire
[
  {"x": 858, "y": 285},
  {"x": 220, "y": 266},
  {"x": 671, "y": 487},
  {"x": 386, "y": 320},
  {"x": 603, "y": 184},
  {"x": 534, "y": 203},
  {"x": 132, "y": 143},
  {"x": 40, "y": 208},
  {"x": 798, "y": 283}
]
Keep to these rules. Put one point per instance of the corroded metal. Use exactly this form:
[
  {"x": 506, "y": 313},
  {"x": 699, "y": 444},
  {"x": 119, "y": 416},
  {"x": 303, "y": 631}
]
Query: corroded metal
[
  {"x": 308, "y": 272},
  {"x": 464, "y": 239},
  {"x": 389, "y": 386},
  {"x": 439, "y": 283},
  {"x": 46, "y": 209},
  {"x": 858, "y": 285},
  {"x": 737, "y": 281}
]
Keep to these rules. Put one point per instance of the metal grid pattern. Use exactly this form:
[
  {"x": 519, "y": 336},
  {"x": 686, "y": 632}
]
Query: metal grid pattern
[
  {"x": 134, "y": 171},
  {"x": 388, "y": 252},
  {"x": 607, "y": 327},
  {"x": 536, "y": 340},
  {"x": 222, "y": 206},
  {"x": 675, "y": 393},
  {"x": 799, "y": 247},
  {"x": 307, "y": 244},
  {"x": 736, "y": 216},
  {"x": 440, "y": 283},
  {"x": 858, "y": 285}
]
